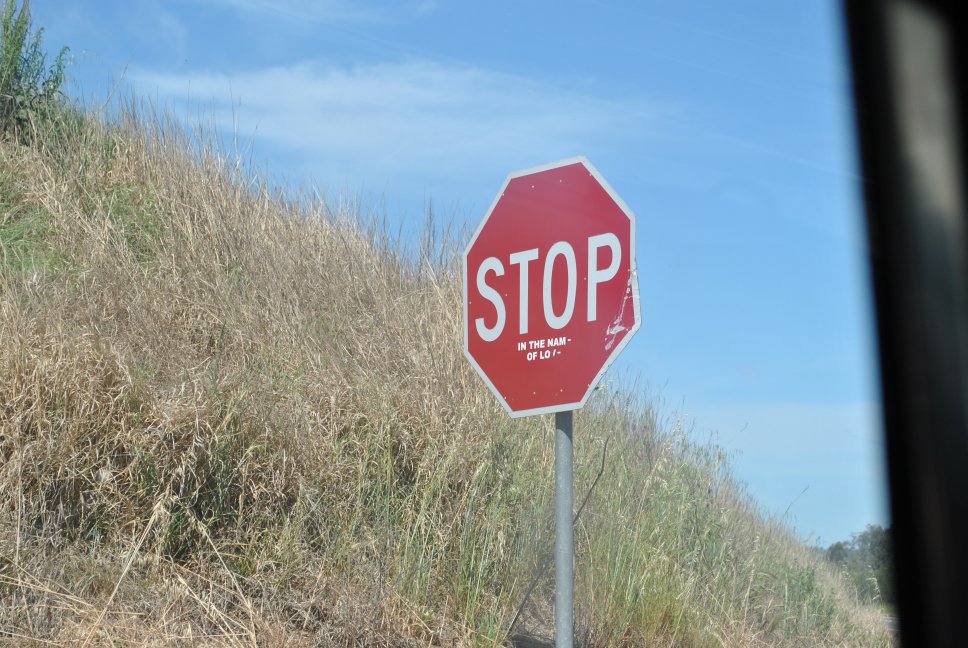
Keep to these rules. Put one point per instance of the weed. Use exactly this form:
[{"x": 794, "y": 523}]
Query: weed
[{"x": 29, "y": 89}]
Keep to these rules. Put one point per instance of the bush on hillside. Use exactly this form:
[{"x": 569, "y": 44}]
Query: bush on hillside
[
  {"x": 28, "y": 87},
  {"x": 867, "y": 558}
]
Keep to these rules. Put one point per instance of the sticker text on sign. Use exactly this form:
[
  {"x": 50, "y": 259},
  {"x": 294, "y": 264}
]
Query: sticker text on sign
[{"x": 543, "y": 348}]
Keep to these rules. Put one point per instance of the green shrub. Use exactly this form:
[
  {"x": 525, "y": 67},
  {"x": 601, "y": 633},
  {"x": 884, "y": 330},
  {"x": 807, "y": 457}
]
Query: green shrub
[
  {"x": 28, "y": 88},
  {"x": 867, "y": 560}
]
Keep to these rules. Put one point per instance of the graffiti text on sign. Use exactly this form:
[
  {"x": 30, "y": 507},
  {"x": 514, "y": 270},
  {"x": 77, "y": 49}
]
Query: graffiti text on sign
[{"x": 543, "y": 348}]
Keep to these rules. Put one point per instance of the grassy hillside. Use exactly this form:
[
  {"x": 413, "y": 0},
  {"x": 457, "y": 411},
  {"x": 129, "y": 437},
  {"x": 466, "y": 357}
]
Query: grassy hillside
[{"x": 233, "y": 419}]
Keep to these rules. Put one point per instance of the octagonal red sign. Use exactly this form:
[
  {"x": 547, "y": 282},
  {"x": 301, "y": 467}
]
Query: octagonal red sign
[{"x": 550, "y": 288}]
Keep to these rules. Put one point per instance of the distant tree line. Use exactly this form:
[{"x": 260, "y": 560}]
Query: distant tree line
[{"x": 868, "y": 560}]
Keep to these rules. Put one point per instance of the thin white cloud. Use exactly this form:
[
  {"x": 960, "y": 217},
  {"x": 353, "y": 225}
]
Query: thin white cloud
[
  {"x": 344, "y": 11},
  {"x": 414, "y": 115},
  {"x": 426, "y": 6}
]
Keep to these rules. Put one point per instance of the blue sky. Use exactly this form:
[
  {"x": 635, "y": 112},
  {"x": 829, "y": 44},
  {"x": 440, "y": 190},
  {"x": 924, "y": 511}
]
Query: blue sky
[{"x": 727, "y": 127}]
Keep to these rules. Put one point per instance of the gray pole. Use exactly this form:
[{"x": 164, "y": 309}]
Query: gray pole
[{"x": 564, "y": 533}]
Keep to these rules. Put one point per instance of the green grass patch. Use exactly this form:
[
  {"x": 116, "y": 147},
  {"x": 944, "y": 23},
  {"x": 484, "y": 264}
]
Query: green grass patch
[{"x": 26, "y": 232}]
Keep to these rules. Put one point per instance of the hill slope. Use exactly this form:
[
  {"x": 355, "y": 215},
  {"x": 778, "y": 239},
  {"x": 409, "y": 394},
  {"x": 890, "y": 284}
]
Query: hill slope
[{"x": 228, "y": 418}]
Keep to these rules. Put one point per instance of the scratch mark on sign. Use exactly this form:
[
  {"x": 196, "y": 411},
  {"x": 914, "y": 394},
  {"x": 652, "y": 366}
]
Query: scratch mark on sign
[{"x": 616, "y": 327}]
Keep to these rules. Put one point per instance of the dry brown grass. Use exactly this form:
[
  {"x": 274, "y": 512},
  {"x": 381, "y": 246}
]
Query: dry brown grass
[{"x": 229, "y": 419}]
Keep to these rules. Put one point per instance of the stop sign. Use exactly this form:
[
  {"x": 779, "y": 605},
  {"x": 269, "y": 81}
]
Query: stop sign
[{"x": 550, "y": 289}]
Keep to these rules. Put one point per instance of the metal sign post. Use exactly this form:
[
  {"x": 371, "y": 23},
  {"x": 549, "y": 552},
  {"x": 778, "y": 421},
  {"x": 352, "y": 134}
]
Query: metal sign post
[{"x": 564, "y": 533}]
